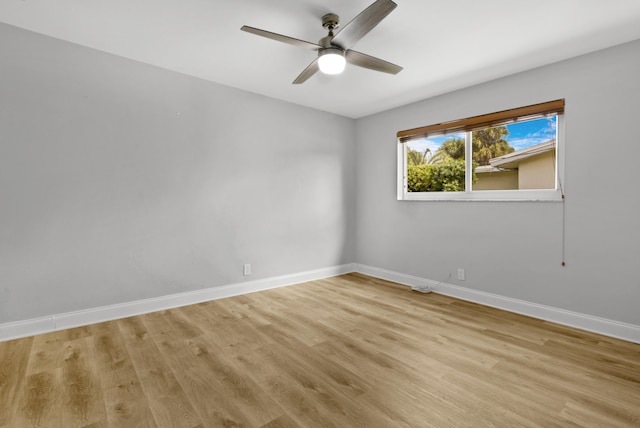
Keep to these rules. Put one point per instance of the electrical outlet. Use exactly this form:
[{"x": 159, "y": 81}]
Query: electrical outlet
[
  {"x": 461, "y": 275},
  {"x": 246, "y": 269}
]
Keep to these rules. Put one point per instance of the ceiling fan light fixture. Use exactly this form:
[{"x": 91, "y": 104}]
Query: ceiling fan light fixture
[
  {"x": 331, "y": 60},
  {"x": 334, "y": 51}
]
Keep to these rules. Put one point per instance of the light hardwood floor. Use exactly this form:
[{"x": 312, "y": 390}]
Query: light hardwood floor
[{"x": 350, "y": 351}]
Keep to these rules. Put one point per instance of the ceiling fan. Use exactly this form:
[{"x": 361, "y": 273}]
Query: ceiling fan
[{"x": 335, "y": 50}]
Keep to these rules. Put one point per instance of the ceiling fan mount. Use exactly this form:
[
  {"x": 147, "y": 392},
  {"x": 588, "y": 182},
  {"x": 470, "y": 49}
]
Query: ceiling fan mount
[
  {"x": 333, "y": 51},
  {"x": 330, "y": 21}
]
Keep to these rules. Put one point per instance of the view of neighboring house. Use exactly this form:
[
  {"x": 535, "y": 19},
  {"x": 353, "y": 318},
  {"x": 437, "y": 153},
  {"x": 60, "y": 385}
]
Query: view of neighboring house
[{"x": 530, "y": 168}]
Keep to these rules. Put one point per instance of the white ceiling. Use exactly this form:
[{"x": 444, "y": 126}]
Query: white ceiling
[{"x": 443, "y": 45}]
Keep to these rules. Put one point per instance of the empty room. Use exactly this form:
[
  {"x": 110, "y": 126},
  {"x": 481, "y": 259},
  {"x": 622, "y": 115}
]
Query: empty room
[{"x": 318, "y": 213}]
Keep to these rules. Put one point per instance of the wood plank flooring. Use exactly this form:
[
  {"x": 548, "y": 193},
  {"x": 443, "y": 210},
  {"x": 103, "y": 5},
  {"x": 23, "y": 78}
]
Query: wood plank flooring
[{"x": 350, "y": 351}]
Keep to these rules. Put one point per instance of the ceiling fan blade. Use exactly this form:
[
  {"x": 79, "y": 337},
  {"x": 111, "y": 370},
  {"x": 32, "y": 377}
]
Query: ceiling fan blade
[
  {"x": 281, "y": 38},
  {"x": 363, "y": 23},
  {"x": 370, "y": 62},
  {"x": 307, "y": 72}
]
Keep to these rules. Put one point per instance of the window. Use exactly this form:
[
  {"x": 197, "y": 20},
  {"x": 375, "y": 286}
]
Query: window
[{"x": 509, "y": 155}]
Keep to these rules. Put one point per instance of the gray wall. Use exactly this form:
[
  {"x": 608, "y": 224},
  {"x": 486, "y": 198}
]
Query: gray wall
[
  {"x": 514, "y": 249},
  {"x": 121, "y": 181}
]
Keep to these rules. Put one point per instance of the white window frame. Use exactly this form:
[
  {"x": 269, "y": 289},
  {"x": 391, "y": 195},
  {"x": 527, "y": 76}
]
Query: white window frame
[{"x": 543, "y": 195}]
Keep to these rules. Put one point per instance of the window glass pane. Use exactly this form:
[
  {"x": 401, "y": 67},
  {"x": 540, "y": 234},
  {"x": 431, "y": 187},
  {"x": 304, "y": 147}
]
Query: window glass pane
[
  {"x": 436, "y": 164},
  {"x": 517, "y": 156}
]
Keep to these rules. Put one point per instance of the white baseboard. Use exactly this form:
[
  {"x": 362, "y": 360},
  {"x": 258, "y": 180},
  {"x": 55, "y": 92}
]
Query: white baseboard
[
  {"x": 607, "y": 327},
  {"x": 14, "y": 330},
  {"x": 18, "y": 329}
]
